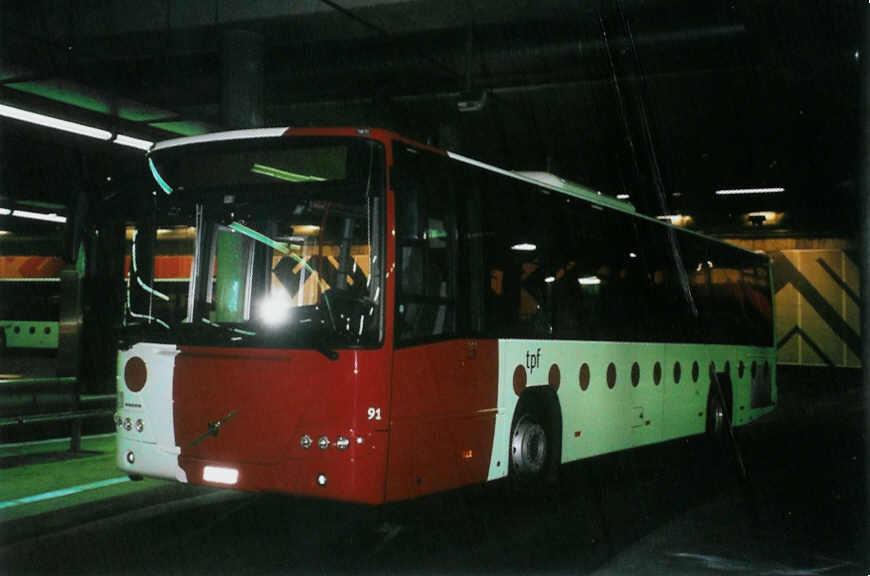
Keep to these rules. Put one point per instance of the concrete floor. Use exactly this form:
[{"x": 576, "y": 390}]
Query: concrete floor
[{"x": 670, "y": 509}]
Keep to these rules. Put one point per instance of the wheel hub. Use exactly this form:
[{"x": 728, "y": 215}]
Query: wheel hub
[{"x": 528, "y": 447}]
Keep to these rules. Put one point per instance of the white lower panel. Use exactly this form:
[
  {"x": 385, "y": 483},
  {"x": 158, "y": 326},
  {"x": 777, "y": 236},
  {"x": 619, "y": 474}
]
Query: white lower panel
[{"x": 149, "y": 460}]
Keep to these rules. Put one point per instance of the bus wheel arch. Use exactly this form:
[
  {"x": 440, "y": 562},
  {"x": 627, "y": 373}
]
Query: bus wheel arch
[{"x": 535, "y": 447}]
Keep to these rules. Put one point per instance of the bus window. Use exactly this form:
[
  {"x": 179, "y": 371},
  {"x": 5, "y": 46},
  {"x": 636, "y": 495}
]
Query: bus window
[
  {"x": 426, "y": 247},
  {"x": 270, "y": 243},
  {"x": 472, "y": 248}
]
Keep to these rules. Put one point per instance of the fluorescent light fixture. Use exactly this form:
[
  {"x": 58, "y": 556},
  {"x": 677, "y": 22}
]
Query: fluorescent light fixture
[
  {"x": 740, "y": 191},
  {"x": 56, "y": 123},
  {"x": 284, "y": 174},
  {"x": 589, "y": 281},
  {"x": 524, "y": 247},
  {"x": 550, "y": 279},
  {"x": 5, "y": 211},
  {"x": 622, "y": 196},
  {"x": 72, "y": 127},
  {"x": 39, "y": 216},
  {"x": 133, "y": 142},
  {"x": 220, "y": 475},
  {"x": 158, "y": 178}
]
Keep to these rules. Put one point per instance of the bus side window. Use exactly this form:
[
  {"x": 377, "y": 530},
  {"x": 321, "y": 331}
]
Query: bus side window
[
  {"x": 426, "y": 245},
  {"x": 501, "y": 230},
  {"x": 472, "y": 250}
]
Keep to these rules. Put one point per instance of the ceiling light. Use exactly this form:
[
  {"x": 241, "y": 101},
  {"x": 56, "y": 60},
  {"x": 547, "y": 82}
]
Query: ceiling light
[
  {"x": 5, "y": 211},
  {"x": 132, "y": 142},
  {"x": 740, "y": 191},
  {"x": 56, "y": 123},
  {"x": 589, "y": 281},
  {"x": 39, "y": 216},
  {"x": 524, "y": 247},
  {"x": 550, "y": 279},
  {"x": 622, "y": 196},
  {"x": 72, "y": 127}
]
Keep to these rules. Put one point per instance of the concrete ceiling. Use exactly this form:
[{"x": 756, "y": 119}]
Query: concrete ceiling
[{"x": 730, "y": 94}]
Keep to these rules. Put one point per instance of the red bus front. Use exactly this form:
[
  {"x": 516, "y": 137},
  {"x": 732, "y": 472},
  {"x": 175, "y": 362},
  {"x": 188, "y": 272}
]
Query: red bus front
[{"x": 268, "y": 366}]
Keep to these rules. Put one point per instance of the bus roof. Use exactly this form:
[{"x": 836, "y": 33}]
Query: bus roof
[
  {"x": 551, "y": 182},
  {"x": 221, "y": 136}
]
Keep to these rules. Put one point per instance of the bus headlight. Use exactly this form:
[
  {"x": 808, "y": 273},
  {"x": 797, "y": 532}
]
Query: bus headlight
[
  {"x": 306, "y": 441},
  {"x": 140, "y": 425},
  {"x": 323, "y": 442},
  {"x": 342, "y": 443}
]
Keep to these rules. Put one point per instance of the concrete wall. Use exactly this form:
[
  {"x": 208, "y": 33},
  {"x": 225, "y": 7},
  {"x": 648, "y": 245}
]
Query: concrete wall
[{"x": 817, "y": 299}]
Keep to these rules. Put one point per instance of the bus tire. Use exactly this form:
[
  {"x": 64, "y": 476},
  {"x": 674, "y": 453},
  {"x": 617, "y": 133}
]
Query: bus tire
[
  {"x": 535, "y": 441},
  {"x": 719, "y": 404}
]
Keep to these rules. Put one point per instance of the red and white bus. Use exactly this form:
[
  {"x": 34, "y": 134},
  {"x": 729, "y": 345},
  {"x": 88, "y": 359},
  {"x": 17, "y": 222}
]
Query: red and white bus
[{"x": 370, "y": 319}]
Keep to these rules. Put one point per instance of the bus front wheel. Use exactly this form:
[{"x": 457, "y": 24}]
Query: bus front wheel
[
  {"x": 535, "y": 440},
  {"x": 530, "y": 447}
]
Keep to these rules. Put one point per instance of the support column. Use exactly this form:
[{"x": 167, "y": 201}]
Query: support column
[
  {"x": 241, "y": 55},
  {"x": 864, "y": 192}
]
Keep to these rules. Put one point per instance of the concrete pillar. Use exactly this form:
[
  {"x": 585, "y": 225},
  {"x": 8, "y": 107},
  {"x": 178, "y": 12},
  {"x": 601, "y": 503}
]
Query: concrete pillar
[
  {"x": 864, "y": 190},
  {"x": 241, "y": 57}
]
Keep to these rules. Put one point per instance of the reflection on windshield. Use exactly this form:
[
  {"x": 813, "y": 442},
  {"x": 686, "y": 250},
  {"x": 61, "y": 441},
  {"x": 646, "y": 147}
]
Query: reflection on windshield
[{"x": 289, "y": 257}]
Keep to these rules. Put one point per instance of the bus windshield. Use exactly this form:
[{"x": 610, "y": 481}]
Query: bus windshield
[{"x": 284, "y": 241}]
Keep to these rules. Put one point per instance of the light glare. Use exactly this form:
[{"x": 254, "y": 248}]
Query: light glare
[
  {"x": 675, "y": 219},
  {"x": 275, "y": 308}
]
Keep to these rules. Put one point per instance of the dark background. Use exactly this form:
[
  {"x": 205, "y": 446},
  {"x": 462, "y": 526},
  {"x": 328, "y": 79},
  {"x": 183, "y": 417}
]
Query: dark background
[{"x": 625, "y": 96}]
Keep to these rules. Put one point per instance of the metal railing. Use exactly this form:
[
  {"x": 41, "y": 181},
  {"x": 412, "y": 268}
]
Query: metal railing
[{"x": 47, "y": 400}]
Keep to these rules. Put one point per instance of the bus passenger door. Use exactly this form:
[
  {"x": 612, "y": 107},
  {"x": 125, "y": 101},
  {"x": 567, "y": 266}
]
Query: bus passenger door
[{"x": 444, "y": 382}]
